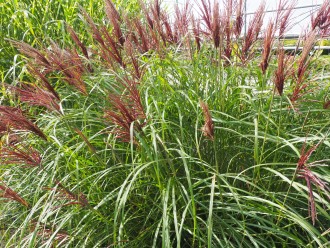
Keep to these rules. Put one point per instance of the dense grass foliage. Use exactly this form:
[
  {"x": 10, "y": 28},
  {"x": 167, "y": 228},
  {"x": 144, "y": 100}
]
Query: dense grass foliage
[{"x": 158, "y": 130}]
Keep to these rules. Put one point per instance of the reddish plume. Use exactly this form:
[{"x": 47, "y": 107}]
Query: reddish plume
[
  {"x": 130, "y": 51},
  {"x": 304, "y": 171},
  {"x": 39, "y": 58},
  {"x": 216, "y": 25},
  {"x": 301, "y": 73},
  {"x": 44, "y": 81},
  {"x": 267, "y": 46},
  {"x": 239, "y": 19},
  {"x": 321, "y": 20},
  {"x": 65, "y": 194},
  {"x": 283, "y": 71},
  {"x": 20, "y": 154},
  {"x": 70, "y": 64},
  {"x": 13, "y": 118},
  {"x": 326, "y": 105},
  {"x": 80, "y": 44},
  {"x": 126, "y": 110},
  {"x": 283, "y": 14},
  {"x": 110, "y": 49},
  {"x": 206, "y": 12},
  {"x": 182, "y": 18},
  {"x": 11, "y": 194},
  {"x": 46, "y": 232},
  {"x": 115, "y": 19},
  {"x": 208, "y": 128},
  {"x": 252, "y": 33},
  {"x": 36, "y": 96},
  {"x": 227, "y": 30},
  {"x": 144, "y": 42}
]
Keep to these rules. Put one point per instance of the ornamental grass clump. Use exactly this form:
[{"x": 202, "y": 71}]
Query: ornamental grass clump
[{"x": 155, "y": 129}]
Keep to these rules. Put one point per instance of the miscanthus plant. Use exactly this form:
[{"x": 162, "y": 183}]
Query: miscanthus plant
[{"x": 169, "y": 130}]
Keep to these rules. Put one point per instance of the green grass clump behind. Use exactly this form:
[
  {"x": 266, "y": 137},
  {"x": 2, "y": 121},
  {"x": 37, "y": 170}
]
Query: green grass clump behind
[
  {"x": 38, "y": 21},
  {"x": 142, "y": 135}
]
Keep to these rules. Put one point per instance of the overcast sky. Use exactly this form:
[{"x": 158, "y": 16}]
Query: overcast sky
[{"x": 300, "y": 17}]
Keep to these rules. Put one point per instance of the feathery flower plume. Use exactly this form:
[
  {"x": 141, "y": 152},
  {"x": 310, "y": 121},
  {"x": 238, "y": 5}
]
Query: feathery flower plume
[
  {"x": 20, "y": 154},
  {"x": 304, "y": 60},
  {"x": 208, "y": 128},
  {"x": 154, "y": 17},
  {"x": 326, "y": 105},
  {"x": 44, "y": 81},
  {"x": 76, "y": 40},
  {"x": 303, "y": 66},
  {"x": 36, "y": 96},
  {"x": 304, "y": 156},
  {"x": 81, "y": 45},
  {"x": 147, "y": 13},
  {"x": 95, "y": 31},
  {"x": 126, "y": 110},
  {"x": 123, "y": 116},
  {"x": 182, "y": 17},
  {"x": 239, "y": 19},
  {"x": 69, "y": 63},
  {"x": 252, "y": 33},
  {"x": 283, "y": 70},
  {"x": 170, "y": 33},
  {"x": 3, "y": 129},
  {"x": 66, "y": 194},
  {"x": 216, "y": 25},
  {"x": 131, "y": 35},
  {"x": 156, "y": 10},
  {"x": 11, "y": 194},
  {"x": 132, "y": 55},
  {"x": 144, "y": 41},
  {"x": 205, "y": 9},
  {"x": 45, "y": 232},
  {"x": 39, "y": 58},
  {"x": 227, "y": 30},
  {"x": 304, "y": 171},
  {"x": 114, "y": 17},
  {"x": 109, "y": 48},
  {"x": 47, "y": 62},
  {"x": 11, "y": 117},
  {"x": 267, "y": 46},
  {"x": 197, "y": 32},
  {"x": 283, "y": 14},
  {"x": 321, "y": 20},
  {"x": 10, "y": 139}
]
